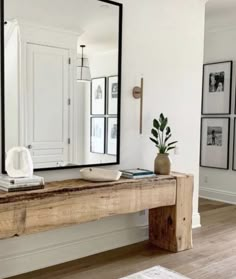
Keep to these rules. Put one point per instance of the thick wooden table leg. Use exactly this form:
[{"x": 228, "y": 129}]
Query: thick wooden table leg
[{"x": 170, "y": 227}]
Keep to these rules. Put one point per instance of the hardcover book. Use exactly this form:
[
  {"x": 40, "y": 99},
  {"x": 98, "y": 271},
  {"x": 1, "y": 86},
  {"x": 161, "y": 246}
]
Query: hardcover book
[
  {"x": 10, "y": 184},
  {"x": 137, "y": 172}
]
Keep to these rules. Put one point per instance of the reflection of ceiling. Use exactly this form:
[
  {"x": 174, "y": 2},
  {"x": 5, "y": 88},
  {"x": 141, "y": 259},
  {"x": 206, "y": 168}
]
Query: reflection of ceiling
[
  {"x": 97, "y": 21},
  {"x": 220, "y": 13}
]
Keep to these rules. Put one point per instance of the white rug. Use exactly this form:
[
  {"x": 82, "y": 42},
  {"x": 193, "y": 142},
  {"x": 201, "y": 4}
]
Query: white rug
[{"x": 156, "y": 272}]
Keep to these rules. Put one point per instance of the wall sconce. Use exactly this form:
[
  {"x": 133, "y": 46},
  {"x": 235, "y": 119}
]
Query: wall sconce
[{"x": 138, "y": 94}]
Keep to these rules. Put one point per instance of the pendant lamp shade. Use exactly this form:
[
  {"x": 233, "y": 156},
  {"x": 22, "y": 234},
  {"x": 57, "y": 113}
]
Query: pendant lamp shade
[{"x": 83, "y": 70}]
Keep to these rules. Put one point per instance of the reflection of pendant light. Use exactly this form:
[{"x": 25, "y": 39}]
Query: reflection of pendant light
[{"x": 83, "y": 71}]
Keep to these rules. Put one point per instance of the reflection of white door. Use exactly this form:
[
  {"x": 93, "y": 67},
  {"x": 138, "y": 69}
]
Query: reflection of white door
[{"x": 47, "y": 105}]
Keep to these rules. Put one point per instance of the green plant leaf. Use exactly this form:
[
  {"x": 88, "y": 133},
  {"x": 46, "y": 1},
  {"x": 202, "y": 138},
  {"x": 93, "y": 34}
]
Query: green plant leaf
[
  {"x": 155, "y": 141},
  {"x": 169, "y": 148},
  {"x": 162, "y": 149},
  {"x": 161, "y": 134},
  {"x": 156, "y": 124},
  {"x": 154, "y": 132},
  {"x": 164, "y": 124},
  {"x": 162, "y": 117},
  {"x": 174, "y": 142},
  {"x": 167, "y": 138},
  {"x": 168, "y": 131}
]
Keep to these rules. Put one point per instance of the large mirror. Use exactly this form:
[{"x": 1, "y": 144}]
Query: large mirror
[{"x": 62, "y": 81}]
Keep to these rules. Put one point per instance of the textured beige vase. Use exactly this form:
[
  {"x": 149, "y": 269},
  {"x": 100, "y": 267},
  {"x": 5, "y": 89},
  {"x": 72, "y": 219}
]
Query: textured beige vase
[{"x": 162, "y": 164}]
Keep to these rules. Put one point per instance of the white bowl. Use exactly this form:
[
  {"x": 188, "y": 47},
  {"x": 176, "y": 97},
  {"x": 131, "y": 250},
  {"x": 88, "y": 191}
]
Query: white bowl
[{"x": 100, "y": 175}]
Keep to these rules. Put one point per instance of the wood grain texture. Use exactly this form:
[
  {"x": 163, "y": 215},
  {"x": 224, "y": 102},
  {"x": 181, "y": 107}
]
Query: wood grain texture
[
  {"x": 55, "y": 188},
  {"x": 170, "y": 227},
  {"x": 76, "y": 201},
  {"x": 213, "y": 255}
]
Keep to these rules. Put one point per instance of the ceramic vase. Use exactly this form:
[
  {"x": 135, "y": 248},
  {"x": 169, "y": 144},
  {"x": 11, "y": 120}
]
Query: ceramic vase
[{"x": 162, "y": 164}]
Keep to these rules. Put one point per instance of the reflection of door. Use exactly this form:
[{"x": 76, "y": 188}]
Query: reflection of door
[{"x": 47, "y": 105}]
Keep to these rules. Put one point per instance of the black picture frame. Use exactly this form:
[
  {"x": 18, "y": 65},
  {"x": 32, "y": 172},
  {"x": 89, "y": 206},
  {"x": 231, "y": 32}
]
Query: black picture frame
[
  {"x": 104, "y": 134},
  {"x": 3, "y": 149},
  {"x": 108, "y": 96},
  {"x": 104, "y": 80},
  {"x": 228, "y": 143},
  {"x": 230, "y": 88},
  {"x": 234, "y": 146},
  {"x": 107, "y": 135}
]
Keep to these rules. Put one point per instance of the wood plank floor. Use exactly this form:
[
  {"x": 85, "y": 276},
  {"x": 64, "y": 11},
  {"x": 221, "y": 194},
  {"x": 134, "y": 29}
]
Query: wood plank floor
[{"x": 213, "y": 256}]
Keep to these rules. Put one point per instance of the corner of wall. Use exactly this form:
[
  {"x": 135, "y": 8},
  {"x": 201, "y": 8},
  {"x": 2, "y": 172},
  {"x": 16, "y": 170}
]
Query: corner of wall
[{"x": 196, "y": 223}]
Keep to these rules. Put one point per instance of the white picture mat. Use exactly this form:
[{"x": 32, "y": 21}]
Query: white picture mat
[
  {"x": 217, "y": 102},
  {"x": 234, "y": 158},
  {"x": 111, "y": 141},
  {"x": 97, "y": 103},
  {"x": 112, "y": 100},
  {"x": 98, "y": 135},
  {"x": 214, "y": 156}
]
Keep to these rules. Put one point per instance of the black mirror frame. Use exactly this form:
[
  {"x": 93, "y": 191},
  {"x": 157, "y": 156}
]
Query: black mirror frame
[{"x": 3, "y": 151}]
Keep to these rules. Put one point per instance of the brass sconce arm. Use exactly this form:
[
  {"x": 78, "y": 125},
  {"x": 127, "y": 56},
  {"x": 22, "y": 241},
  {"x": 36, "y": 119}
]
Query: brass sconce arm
[{"x": 138, "y": 94}]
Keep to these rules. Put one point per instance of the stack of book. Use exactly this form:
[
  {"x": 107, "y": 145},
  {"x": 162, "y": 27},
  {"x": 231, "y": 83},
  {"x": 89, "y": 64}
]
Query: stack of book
[
  {"x": 137, "y": 173},
  {"x": 9, "y": 184}
]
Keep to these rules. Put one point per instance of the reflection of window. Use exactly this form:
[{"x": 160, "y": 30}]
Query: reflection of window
[
  {"x": 98, "y": 93},
  {"x": 114, "y": 131},
  {"x": 114, "y": 90}
]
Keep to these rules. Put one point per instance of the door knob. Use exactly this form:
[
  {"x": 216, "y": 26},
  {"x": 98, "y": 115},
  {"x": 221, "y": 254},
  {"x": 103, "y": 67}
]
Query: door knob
[{"x": 29, "y": 146}]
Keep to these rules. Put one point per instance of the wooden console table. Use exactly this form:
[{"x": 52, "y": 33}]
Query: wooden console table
[{"x": 64, "y": 203}]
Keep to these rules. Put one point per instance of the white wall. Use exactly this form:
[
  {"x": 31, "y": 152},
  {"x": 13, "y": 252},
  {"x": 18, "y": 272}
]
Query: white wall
[
  {"x": 78, "y": 115},
  {"x": 220, "y": 46},
  {"x": 12, "y": 86},
  {"x": 164, "y": 43},
  {"x": 104, "y": 64}
]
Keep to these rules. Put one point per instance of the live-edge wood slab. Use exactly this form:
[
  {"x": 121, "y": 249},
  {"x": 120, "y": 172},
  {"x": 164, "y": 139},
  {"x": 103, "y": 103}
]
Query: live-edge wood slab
[
  {"x": 70, "y": 202},
  {"x": 70, "y": 186}
]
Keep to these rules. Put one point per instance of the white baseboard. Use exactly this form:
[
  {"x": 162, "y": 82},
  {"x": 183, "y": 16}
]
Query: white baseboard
[
  {"x": 218, "y": 195},
  {"x": 64, "y": 252},
  {"x": 196, "y": 221},
  {"x": 33, "y": 252}
]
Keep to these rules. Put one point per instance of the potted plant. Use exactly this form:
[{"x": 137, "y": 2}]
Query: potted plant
[{"x": 161, "y": 133}]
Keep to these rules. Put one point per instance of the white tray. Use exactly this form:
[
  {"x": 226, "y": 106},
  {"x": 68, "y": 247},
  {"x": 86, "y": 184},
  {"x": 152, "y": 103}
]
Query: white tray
[{"x": 100, "y": 175}]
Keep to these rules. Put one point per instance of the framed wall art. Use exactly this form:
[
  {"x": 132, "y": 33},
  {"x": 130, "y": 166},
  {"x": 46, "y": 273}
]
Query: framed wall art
[
  {"x": 215, "y": 134},
  {"x": 216, "y": 88},
  {"x": 111, "y": 136},
  {"x": 112, "y": 96},
  {"x": 98, "y": 96},
  {"x": 97, "y": 135}
]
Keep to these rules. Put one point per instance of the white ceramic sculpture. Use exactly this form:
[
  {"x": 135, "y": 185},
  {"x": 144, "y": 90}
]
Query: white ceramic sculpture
[
  {"x": 100, "y": 175},
  {"x": 23, "y": 156}
]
